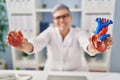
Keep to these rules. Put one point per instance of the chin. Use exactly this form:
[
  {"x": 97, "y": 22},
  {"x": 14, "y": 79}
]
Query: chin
[{"x": 63, "y": 27}]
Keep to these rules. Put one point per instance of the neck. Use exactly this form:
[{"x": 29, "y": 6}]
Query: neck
[{"x": 64, "y": 33}]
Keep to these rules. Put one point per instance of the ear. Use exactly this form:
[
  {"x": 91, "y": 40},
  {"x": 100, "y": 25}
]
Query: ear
[
  {"x": 71, "y": 17},
  {"x": 53, "y": 20}
]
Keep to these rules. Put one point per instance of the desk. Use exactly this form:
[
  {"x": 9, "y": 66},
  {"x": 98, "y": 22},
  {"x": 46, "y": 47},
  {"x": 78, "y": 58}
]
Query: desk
[{"x": 42, "y": 75}]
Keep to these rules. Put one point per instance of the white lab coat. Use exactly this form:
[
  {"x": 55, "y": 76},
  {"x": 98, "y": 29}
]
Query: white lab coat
[{"x": 62, "y": 55}]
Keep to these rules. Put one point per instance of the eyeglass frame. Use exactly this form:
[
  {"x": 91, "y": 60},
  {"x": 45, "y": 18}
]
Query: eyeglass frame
[{"x": 62, "y": 16}]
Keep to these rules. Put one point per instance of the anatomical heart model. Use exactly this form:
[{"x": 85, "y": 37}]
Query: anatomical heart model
[
  {"x": 15, "y": 38},
  {"x": 99, "y": 39}
]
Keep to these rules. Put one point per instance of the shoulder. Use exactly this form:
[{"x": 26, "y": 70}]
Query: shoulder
[
  {"x": 78, "y": 31},
  {"x": 49, "y": 29}
]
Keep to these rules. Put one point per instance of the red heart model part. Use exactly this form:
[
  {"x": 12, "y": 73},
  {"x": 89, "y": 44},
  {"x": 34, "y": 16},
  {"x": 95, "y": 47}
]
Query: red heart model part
[
  {"x": 15, "y": 38},
  {"x": 100, "y": 46}
]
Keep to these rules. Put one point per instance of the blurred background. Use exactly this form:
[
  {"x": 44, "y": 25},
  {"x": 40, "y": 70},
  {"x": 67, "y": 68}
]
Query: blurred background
[{"x": 34, "y": 16}]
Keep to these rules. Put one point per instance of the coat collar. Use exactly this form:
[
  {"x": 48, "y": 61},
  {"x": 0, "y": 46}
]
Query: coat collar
[{"x": 68, "y": 38}]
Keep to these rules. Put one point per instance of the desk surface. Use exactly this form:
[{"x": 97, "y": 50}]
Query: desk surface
[{"x": 42, "y": 75}]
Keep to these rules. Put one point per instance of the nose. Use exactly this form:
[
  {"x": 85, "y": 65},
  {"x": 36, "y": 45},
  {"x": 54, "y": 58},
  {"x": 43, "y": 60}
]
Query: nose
[{"x": 61, "y": 19}]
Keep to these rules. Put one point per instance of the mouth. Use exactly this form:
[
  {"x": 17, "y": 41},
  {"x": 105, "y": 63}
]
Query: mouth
[{"x": 62, "y": 24}]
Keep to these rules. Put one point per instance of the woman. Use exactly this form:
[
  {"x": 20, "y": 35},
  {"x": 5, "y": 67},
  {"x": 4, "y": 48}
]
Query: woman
[{"x": 63, "y": 42}]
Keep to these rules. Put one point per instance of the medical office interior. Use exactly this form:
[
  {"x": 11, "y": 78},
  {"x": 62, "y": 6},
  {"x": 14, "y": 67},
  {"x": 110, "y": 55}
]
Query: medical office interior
[{"x": 34, "y": 16}]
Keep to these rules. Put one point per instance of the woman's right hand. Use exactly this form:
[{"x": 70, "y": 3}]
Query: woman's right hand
[{"x": 17, "y": 40}]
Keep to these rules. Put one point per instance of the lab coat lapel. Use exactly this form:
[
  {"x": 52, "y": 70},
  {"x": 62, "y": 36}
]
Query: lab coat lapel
[
  {"x": 68, "y": 39},
  {"x": 67, "y": 43},
  {"x": 59, "y": 37}
]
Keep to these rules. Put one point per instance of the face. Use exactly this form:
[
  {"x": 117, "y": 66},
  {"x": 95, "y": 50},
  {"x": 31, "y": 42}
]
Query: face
[{"x": 62, "y": 19}]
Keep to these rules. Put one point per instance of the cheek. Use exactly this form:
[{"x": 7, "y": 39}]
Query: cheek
[
  {"x": 70, "y": 20},
  {"x": 56, "y": 23}
]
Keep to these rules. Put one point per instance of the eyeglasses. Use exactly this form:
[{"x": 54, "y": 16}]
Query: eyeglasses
[{"x": 62, "y": 16}]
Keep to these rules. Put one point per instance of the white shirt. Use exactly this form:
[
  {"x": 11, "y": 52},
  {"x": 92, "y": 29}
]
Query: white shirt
[{"x": 62, "y": 55}]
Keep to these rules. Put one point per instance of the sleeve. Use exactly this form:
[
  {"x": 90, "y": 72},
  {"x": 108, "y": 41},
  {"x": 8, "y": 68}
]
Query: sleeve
[
  {"x": 41, "y": 41},
  {"x": 83, "y": 41}
]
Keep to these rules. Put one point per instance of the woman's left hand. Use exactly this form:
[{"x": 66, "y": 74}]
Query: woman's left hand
[{"x": 91, "y": 48}]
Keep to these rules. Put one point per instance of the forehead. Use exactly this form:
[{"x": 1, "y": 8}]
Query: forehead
[{"x": 60, "y": 12}]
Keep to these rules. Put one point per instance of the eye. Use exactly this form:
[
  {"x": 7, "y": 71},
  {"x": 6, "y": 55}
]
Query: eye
[
  {"x": 62, "y": 16},
  {"x": 58, "y": 17},
  {"x": 65, "y": 16}
]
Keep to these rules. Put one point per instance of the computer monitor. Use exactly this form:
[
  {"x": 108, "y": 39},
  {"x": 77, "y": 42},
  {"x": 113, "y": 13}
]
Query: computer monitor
[{"x": 59, "y": 77}]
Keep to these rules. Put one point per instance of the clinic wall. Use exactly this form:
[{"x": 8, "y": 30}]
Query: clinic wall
[
  {"x": 115, "y": 56},
  {"x": 7, "y": 56}
]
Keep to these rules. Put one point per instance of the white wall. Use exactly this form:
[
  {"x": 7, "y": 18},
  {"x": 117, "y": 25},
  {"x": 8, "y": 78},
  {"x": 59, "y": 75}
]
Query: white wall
[{"x": 115, "y": 56}]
